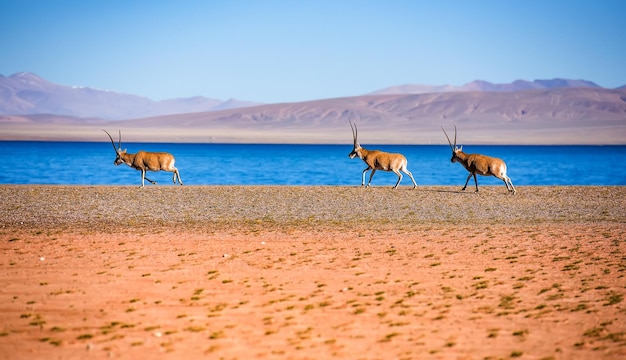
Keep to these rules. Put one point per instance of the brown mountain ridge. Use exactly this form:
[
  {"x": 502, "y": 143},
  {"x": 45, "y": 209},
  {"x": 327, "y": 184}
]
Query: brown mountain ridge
[{"x": 546, "y": 115}]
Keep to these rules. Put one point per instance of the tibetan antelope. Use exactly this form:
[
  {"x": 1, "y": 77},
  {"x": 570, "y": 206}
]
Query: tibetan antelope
[
  {"x": 143, "y": 160},
  {"x": 378, "y": 160},
  {"x": 479, "y": 164}
]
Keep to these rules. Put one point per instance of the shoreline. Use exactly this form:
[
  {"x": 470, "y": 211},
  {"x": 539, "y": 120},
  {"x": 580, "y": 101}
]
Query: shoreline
[{"x": 76, "y": 206}]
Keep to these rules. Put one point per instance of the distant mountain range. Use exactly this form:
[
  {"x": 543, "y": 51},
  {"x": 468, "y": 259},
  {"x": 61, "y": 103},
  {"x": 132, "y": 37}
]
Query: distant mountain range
[
  {"x": 27, "y": 94},
  {"x": 555, "y": 111},
  {"x": 479, "y": 85}
]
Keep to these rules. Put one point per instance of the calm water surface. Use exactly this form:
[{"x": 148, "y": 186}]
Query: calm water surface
[{"x": 81, "y": 163}]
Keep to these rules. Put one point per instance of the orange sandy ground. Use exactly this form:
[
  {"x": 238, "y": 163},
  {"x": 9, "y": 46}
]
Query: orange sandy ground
[{"x": 553, "y": 291}]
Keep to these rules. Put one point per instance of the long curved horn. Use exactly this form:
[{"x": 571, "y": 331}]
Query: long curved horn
[
  {"x": 355, "y": 133},
  {"x": 455, "y": 136},
  {"x": 119, "y": 143},
  {"x": 112, "y": 142},
  {"x": 444, "y": 131}
]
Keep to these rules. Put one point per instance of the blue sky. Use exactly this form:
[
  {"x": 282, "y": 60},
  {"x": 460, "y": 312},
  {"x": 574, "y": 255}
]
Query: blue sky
[{"x": 286, "y": 51}]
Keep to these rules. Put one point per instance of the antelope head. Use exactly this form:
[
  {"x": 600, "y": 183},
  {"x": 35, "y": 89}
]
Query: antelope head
[
  {"x": 357, "y": 147},
  {"x": 118, "y": 150},
  {"x": 455, "y": 150}
]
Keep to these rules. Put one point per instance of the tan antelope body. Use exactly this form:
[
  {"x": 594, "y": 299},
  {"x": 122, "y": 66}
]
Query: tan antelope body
[
  {"x": 144, "y": 161},
  {"x": 379, "y": 160},
  {"x": 479, "y": 164}
]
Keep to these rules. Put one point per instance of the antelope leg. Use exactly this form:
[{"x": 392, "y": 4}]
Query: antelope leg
[
  {"x": 363, "y": 177},
  {"x": 371, "y": 176},
  {"x": 512, "y": 187},
  {"x": 399, "y": 179},
  {"x": 476, "y": 182},
  {"x": 466, "y": 181},
  {"x": 406, "y": 171}
]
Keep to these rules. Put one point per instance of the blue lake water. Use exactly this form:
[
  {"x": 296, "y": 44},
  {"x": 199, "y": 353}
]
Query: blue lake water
[{"x": 83, "y": 163}]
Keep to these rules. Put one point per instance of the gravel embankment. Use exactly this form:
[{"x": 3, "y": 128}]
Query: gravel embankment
[{"x": 109, "y": 207}]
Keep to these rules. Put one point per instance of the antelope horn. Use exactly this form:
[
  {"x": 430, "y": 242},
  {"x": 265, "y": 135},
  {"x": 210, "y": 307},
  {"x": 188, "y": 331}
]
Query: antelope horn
[
  {"x": 119, "y": 143},
  {"x": 355, "y": 132},
  {"x": 455, "y": 136},
  {"x": 112, "y": 142},
  {"x": 444, "y": 131}
]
